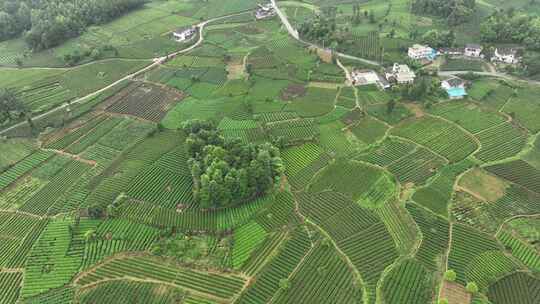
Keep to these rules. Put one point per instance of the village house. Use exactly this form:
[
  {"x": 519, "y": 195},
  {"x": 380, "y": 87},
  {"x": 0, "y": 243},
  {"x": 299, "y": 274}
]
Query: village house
[
  {"x": 506, "y": 55},
  {"x": 419, "y": 52},
  {"x": 264, "y": 11},
  {"x": 400, "y": 73},
  {"x": 455, "y": 87},
  {"x": 451, "y": 51},
  {"x": 184, "y": 34},
  {"x": 473, "y": 50},
  {"x": 367, "y": 77}
]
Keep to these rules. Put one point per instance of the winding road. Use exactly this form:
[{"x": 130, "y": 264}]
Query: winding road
[{"x": 155, "y": 62}]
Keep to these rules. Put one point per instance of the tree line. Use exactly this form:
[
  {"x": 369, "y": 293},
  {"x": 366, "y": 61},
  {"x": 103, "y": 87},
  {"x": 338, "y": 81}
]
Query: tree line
[
  {"x": 455, "y": 11},
  {"x": 228, "y": 172},
  {"x": 511, "y": 26},
  {"x": 48, "y": 23}
]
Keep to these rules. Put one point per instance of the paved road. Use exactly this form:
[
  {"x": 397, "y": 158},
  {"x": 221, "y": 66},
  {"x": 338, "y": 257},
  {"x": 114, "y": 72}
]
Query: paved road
[
  {"x": 294, "y": 33},
  {"x": 492, "y": 74},
  {"x": 155, "y": 62}
]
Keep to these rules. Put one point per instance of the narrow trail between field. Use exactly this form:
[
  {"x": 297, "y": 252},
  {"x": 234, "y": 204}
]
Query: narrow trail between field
[{"x": 156, "y": 62}]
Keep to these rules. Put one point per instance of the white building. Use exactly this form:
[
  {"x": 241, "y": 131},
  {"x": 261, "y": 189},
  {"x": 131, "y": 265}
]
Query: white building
[
  {"x": 506, "y": 55},
  {"x": 473, "y": 50},
  {"x": 265, "y": 11},
  {"x": 400, "y": 73},
  {"x": 418, "y": 52},
  {"x": 367, "y": 77},
  {"x": 184, "y": 34}
]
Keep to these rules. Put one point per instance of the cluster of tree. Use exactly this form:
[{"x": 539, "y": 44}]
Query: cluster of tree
[
  {"x": 227, "y": 172},
  {"x": 323, "y": 30},
  {"x": 47, "y": 23},
  {"x": 434, "y": 38},
  {"x": 11, "y": 108},
  {"x": 512, "y": 27},
  {"x": 94, "y": 53},
  {"x": 455, "y": 11},
  {"x": 423, "y": 86}
]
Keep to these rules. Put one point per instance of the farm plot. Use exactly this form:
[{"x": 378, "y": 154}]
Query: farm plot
[
  {"x": 469, "y": 244},
  {"x": 522, "y": 251},
  {"x": 380, "y": 111},
  {"x": 468, "y": 115},
  {"x": 437, "y": 195},
  {"x": 193, "y": 220},
  {"x": 435, "y": 231},
  {"x": 111, "y": 237},
  {"x": 63, "y": 295},
  {"x": 515, "y": 288},
  {"x": 248, "y": 131},
  {"x": 518, "y": 172},
  {"x": 23, "y": 167},
  {"x": 45, "y": 93},
  {"x": 417, "y": 167},
  {"x": 489, "y": 266},
  {"x": 371, "y": 251},
  {"x": 280, "y": 267},
  {"x": 369, "y": 130},
  {"x": 17, "y": 234},
  {"x": 293, "y": 131},
  {"x": 279, "y": 214},
  {"x": 93, "y": 135},
  {"x": 125, "y": 291},
  {"x": 246, "y": 239},
  {"x": 303, "y": 162},
  {"x": 410, "y": 282},
  {"x": 525, "y": 107},
  {"x": 336, "y": 214},
  {"x": 117, "y": 178},
  {"x": 42, "y": 201},
  {"x": 321, "y": 278},
  {"x": 61, "y": 141},
  {"x": 10, "y": 284},
  {"x": 316, "y": 102},
  {"x": 390, "y": 151},
  {"x": 400, "y": 225},
  {"x": 500, "y": 142},
  {"x": 147, "y": 101},
  {"x": 442, "y": 137},
  {"x": 219, "y": 286},
  {"x": 336, "y": 141},
  {"x": 353, "y": 179},
  {"x": 50, "y": 265}
]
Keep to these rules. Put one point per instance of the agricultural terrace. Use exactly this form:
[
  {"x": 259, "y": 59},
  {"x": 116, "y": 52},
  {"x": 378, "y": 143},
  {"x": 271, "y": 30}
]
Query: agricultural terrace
[{"x": 240, "y": 166}]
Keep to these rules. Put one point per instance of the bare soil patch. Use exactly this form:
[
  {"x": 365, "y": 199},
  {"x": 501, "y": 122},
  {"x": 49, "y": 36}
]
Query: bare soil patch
[
  {"x": 455, "y": 293},
  {"x": 483, "y": 185},
  {"x": 293, "y": 91}
]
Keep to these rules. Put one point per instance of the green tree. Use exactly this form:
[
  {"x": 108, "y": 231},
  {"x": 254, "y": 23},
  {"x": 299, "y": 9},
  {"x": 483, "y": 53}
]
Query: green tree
[
  {"x": 472, "y": 287},
  {"x": 450, "y": 275}
]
